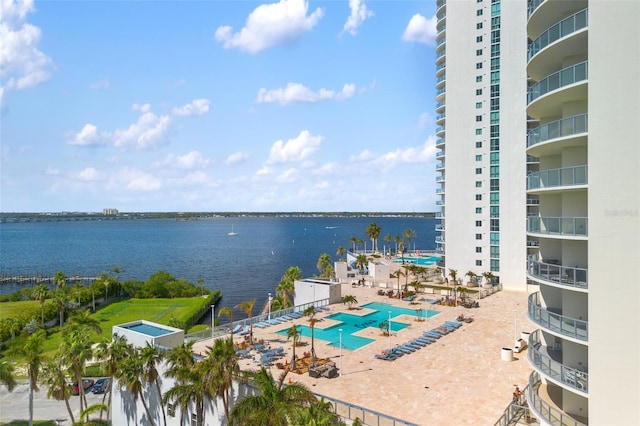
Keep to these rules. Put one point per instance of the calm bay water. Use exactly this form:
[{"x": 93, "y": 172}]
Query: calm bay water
[{"x": 244, "y": 266}]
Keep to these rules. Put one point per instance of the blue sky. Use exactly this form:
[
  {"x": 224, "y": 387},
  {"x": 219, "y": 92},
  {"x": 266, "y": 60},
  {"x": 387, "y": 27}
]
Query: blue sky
[{"x": 217, "y": 105}]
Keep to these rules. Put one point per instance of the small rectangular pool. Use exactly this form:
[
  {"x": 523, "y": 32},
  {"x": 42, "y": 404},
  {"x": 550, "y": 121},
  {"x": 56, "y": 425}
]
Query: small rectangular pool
[
  {"x": 419, "y": 260},
  {"x": 353, "y": 323},
  {"x": 149, "y": 330}
]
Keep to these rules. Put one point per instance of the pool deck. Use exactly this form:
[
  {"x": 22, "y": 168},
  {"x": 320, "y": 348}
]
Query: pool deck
[{"x": 460, "y": 379}]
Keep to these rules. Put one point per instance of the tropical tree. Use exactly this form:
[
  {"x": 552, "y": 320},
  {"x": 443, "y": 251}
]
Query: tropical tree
[
  {"x": 228, "y": 312},
  {"x": 353, "y": 240},
  {"x": 130, "y": 376},
  {"x": 294, "y": 334},
  {"x": 361, "y": 262},
  {"x": 387, "y": 238},
  {"x": 401, "y": 249},
  {"x": 111, "y": 354},
  {"x": 349, "y": 299},
  {"x": 59, "y": 279},
  {"x": 116, "y": 271},
  {"x": 488, "y": 276},
  {"x": 454, "y": 275},
  {"x": 472, "y": 276},
  {"x": 397, "y": 239},
  {"x": 40, "y": 293},
  {"x": 286, "y": 287},
  {"x": 310, "y": 312},
  {"x": 360, "y": 242},
  {"x": 31, "y": 351},
  {"x": 221, "y": 367},
  {"x": 75, "y": 350},
  {"x": 324, "y": 266},
  {"x": 409, "y": 234},
  {"x": 397, "y": 274},
  {"x": 384, "y": 327},
  {"x": 60, "y": 301},
  {"x": 83, "y": 319},
  {"x": 340, "y": 252},
  {"x": 151, "y": 356},
  {"x": 373, "y": 232},
  {"x": 6, "y": 375},
  {"x": 247, "y": 307},
  {"x": 54, "y": 377},
  {"x": 319, "y": 413},
  {"x": 275, "y": 404}
]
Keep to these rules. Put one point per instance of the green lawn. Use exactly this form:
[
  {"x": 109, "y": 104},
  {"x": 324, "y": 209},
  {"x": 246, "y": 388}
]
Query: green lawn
[
  {"x": 12, "y": 309},
  {"x": 35, "y": 423}
]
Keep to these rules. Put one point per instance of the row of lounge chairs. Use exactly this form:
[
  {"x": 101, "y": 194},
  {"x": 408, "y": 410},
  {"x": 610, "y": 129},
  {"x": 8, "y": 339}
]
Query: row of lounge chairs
[
  {"x": 278, "y": 320},
  {"x": 425, "y": 339}
]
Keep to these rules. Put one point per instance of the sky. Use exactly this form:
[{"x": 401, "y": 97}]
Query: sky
[{"x": 217, "y": 105}]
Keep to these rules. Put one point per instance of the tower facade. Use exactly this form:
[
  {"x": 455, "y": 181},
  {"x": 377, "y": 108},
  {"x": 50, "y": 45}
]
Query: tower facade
[
  {"x": 481, "y": 101},
  {"x": 584, "y": 92}
]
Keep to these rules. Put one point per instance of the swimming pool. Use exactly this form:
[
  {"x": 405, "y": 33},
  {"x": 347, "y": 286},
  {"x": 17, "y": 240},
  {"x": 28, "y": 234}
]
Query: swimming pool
[
  {"x": 422, "y": 260},
  {"x": 350, "y": 323},
  {"x": 149, "y": 330}
]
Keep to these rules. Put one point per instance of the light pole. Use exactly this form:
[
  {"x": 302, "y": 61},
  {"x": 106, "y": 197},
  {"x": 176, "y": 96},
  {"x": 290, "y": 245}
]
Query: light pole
[
  {"x": 389, "y": 330},
  {"x": 269, "y": 307},
  {"x": 340, "y": 330},
  {"x": 213, "y": 316}
]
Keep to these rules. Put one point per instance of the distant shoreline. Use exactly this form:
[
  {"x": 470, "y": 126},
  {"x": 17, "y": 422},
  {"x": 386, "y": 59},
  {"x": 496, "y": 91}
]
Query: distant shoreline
[{"x": 39, "y": 216}]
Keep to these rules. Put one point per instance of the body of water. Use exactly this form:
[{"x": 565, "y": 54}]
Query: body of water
[{"x": 243, "y": 266}]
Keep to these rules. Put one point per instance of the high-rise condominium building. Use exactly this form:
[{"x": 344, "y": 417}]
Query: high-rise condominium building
[
  {"x": 481, "y": 62},
  {"x": 584, "y": 90}
]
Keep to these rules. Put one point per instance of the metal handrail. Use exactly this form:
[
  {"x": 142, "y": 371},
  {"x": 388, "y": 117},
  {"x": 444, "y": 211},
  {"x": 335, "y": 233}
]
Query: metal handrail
[
  {"x": 565, "y": 325},
  {"x": 573, "y": 125},
  {"x": 569, "y": 25},
  {"x": 557, "y": 80},
  {"x": 544, "y": 410},
  {"x": 551, "y": 178}
]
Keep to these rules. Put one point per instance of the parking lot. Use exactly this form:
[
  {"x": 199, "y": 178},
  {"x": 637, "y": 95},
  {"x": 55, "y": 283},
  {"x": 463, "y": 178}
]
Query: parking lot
[{"x": 15, "y": 405}]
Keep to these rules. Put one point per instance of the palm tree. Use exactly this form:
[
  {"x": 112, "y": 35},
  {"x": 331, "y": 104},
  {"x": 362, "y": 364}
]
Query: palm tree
[
  {"x": 31, "y": 351},
  {"x": 311, "y": 312},
  {"x": 409, "y": 234},
  {"x": 384, "y": 327},
  {"x": 396, "y": 239},
  {"x": 60, "y": 301},
  {"x": 117, "y": 271},
  {"x": 319, "y": 413},
  {"x": 286, "y": 287},
  {"x": 275, "y": 404},
  {"x": 454, "y": 275},
  {"x": 40, "y": 293},
  {"x": 229, "y": 313},
  {"x": 360, "y": 242},
  {"x": 151, "y": 356},
  {"x": 6, "y": 375},
  {"x": 488, "y": 276},
  {"x": 55, "y": 379},
  {"x": 59, "y": 279},
  {"x": 361, "y": 262},
  {"x": 111, "y": 354},
  {"x": 324, "y": 265},
  {"x": 353, "y": 241},
  {"x": 247, "y": 307},
  {"x": 350, "y": 300},
  {"x": 340, "y": 252},
  {"x": 373, "y": 232},
  {"x": 293, "y": 333},
  {"x": 472, "y": 276},
  {"x": 388, "y": 239},
  {"x": 397, "y": 274},
  {"x": 83, "y": 319},
  {"x": 130, "y": 375},
  {"x": 75, "y": 351},
  {"x": 221, "y": 368},
  {"x": 401, "y": 249}
]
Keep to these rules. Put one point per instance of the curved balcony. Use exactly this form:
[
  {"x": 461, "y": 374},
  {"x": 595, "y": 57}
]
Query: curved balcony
[
  {"x": 555, "y": 178},
  {"x": 558, "y": 275},
  {"x": 439, "y": 227},
  {"x": 440, "y": 107},
  {"x": 566, "y": 128},
  {"x": 441, "y": 68},
  {"x": 556, "y": 323},
  {"x": 440, "y": 191},
  {"x": 439, "y": 4},
  {"x": 533, "y": 4},
  {"x": 440, "y": 131},
  {"x": 543, "y": 14},
  {"x": 440, "y": 42},
  {"x": 440, "y": 154},
  {"x": 549, "y": 94},
  {"x": 542, "y": 409},
  {"x": 440, "y": 142},
  {"x": 440, "y": 81},
  {"x": 565, "y": 226},
  {"x": 564, "y": 28},
  {"x": 574, "y": 378},
  {"x": 440, "y": 178},
  {"x": 440, "y": 250},
  {"x": 440, "y": 118},
  {"x": 440, "y": 239},
  {"x": 440, "y": 166},
  {"x": 439, "y": 215},
  {"x": 440, "y": 56}
]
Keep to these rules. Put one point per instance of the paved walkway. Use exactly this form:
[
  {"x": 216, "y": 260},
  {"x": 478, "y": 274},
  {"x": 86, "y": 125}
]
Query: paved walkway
[{"x": 459, "y": 380}]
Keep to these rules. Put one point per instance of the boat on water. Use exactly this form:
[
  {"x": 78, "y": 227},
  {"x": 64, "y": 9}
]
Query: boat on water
[{"x": 232, "y": 233}]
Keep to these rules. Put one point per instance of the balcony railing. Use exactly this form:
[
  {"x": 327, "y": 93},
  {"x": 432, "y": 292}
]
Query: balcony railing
[
  {"x": 573, "y": 377},
  {"x": 441, "y": 54},
  {"x": 533, "y": 5},
  {"x": 439, "y": 215},
  {"x": 439, "y": 105},
  {"x": 567, "y": 326},
  {"x": 441, "y": 40},
  {"x": 439, "y": 203},
  {"x": 440, "y": 154},
  {"x": 439, "y": 178},
  {"x": 569, "y": 126},
  {"x": 551, "y": 178},
  {"x": 533, "y": 201},
  {"x": 439, "y": 141},
  {"x": 564, "y": 77},
  {"x": 441, "y": 116},
  {"x": 558, "y": 274},
  {"x": 440, "y": 250},
  {"x": 542, "y": 409},
  {"x": 533, "y": 244},
  {"x": 440, "y": 16},
  {"x": 569, "y": 25},
  {"x": 439, "y": 191},
  {"x": 439, "y": 239},
  {"x": 439, "y": 227},
  {"x": 557, "y": 225},
  {"x": 439, "y": 129},
  {"x": 440, "y": 3},
  {"x": 439, "y": 166}
]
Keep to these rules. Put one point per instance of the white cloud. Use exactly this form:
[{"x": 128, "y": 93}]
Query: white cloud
[
  {"x": 141, "y": 108},
  {"x": 89, "y": 175},
  {"x": 288, "y": 176},
  {"x": 149, "y": 132},
  {"x": 196, "y": 107},
  {"x": 297, "y": 93},
  {"x": 424, "y": 120},
  {"x": 412, "y": 155},
  {"x": 100, "y": 84},
  {"x": 294, "y": 150},
  {"x": 190, "y": 160},
  {"x": 359, "y": 13},
  {"x": 88, "y": 136},
  {"x": 421, "y": 30},
  {"x": 22, "y": 65},
  {"x": 236, "y": 158},
  {"x": 134, "y": 180},
  {"x": 269, "y": 25}
]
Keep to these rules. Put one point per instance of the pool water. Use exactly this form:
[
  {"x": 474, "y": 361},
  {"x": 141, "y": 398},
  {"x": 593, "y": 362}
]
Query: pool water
[
  {"x": 354, "y": 323},
  {"x": 149, "y": 330},
  {"x": 422, "y": 261}
]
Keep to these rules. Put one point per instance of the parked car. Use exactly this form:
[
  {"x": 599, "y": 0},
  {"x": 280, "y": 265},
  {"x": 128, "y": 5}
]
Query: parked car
[
  {"x": 100, "y": 386},
  {"x": 86, "y": 384}
]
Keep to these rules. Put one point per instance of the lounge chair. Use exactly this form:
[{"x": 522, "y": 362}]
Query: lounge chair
[
  {"x": 237, "y": 328},
  {"x": 425, "y": 340},
  {"x": 245, "y": 330},
  {"x": 456, "y": 324}
]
